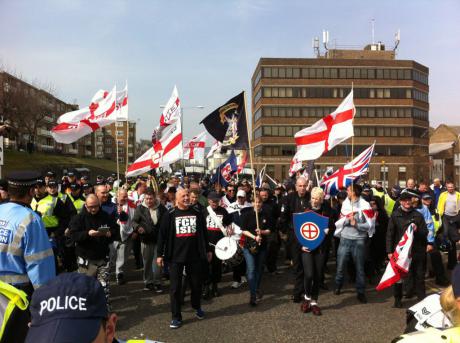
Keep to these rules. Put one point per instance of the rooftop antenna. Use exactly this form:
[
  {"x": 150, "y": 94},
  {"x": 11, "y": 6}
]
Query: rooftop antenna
[
  {"x": 325, "y": 39},
  {"x": 315, "y": 45},
  {"x": 373, "y": 30},
  {"x": 397, "y": 39}
]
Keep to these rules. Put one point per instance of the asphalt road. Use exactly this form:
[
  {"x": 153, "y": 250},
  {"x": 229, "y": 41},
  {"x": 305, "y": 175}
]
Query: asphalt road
[{"x": 229, "y": 318}]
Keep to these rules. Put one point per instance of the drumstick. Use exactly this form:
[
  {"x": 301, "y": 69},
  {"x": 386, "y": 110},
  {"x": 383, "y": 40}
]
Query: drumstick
[{"x": 215, "y": 246}]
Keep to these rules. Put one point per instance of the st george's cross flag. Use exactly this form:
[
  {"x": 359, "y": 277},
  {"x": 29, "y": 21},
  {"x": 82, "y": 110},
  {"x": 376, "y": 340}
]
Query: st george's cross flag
[
  {"x": 122, "y": 104},
  {"x": 400, "y": 261},
  {"x": 76, "y": 124},
  {"x": 172, "y": 111},
  {"x": 242, "y": 159},
  {"x": 343, "y": 177},
  {"x": 327, "y": 132},
  {"x": 215, "y": 147},
  {"x": 166, "y": 150},
  {"x": 194, "y": 149},
  {"x": 296, "y": 165}
]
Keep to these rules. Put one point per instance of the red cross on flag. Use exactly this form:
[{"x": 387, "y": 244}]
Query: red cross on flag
[
  {"x": 327, "y": 132},
  {"x": 194, "y": 149},
  {"x": 76, "y": 124},
  {"x": 167, "y": 150},
  {"x": 172, "y": 111}
]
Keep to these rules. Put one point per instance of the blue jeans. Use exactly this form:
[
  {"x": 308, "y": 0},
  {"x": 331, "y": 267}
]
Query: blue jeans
[
  {"x": 355, "y": 248},
  {"x": 254, "y": 268}
]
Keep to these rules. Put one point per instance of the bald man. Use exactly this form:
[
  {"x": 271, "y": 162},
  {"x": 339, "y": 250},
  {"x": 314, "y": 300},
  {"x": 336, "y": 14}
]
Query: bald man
[
  {"x": 183, "y": 243},
  {"x": 92, "y": 231},
  {"x": 295, "y": 202}
]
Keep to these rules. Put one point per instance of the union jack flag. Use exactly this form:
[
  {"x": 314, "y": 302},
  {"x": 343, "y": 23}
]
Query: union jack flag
[{"x": 344, "y": 176}]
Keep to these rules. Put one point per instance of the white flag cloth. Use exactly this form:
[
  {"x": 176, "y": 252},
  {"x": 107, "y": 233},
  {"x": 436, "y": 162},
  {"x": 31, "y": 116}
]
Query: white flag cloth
[
  {"x": 172, "y": 111},
  {"x": 167, "y": 150},
  {"x": 296, "y": 165},
  {"x": 122, "y": 104},
  {"x": 327, "y": 132},
  {"x": 362, "y": 210},
  {"x": 399, "y": 264},
  {"x": 76, "y": 124},
  {"x": 194, "y": 149},
  {"x": 216, "y": 146}
]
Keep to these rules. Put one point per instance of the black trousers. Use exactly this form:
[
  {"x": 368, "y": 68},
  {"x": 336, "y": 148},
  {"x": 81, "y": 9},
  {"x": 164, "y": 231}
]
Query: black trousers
[
  {"x": 176, "y": 270},
  {"x": 448, "y": 230},
  {"x": 415, "y": 281},
  {"x": 313, "y": 263},
  {"x": 137, "y": 252},
  {"x": 273, "y": 248},
  {"x": 239, "y": 271},
  {"x": 214, "y": 275},
  {"x": 437, "y": 266},
  {"x": 296, "y": 256}
]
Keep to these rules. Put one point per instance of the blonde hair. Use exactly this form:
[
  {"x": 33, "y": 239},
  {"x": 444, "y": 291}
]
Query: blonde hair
[
  {"x": 449, "y": 304},
  {"x": 317, "y": 192}
]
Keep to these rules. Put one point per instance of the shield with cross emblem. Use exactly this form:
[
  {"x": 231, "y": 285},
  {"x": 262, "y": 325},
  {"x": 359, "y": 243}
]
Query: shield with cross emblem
[{"x": 310, "y": 228}]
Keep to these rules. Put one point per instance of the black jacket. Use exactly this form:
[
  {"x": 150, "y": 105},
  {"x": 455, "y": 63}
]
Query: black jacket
[
  {"x": 93, "y": 248},
  {"x": 143, "y": 219},
  {"x": 293, "y": 203},
  {"x": 167, "y": 234},
  {"x": 249, "y": 223},
  {"x": 397, "y": 225}
]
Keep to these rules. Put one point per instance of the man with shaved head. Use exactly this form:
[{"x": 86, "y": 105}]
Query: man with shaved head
[
  {"x": 92, "y": 230},
  {"x": 183, "y": 243},
  {"x": 295, "y": 202}
]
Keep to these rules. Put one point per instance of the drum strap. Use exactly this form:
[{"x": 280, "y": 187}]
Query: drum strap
[{"x": 216, "y": 220}]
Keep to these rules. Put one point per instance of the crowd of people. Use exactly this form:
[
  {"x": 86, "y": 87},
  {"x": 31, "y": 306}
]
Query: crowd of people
[{"x": 173, "y": 227}]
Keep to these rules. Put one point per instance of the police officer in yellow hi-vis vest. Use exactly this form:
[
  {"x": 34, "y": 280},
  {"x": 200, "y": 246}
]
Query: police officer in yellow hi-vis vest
[{"x": 54, "y": 215}]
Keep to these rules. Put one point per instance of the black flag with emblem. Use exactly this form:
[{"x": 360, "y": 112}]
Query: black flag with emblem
[{"x": 227, "y": 124}]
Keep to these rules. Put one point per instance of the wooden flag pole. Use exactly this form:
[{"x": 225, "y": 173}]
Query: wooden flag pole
[{"x": 250, "y": 160}]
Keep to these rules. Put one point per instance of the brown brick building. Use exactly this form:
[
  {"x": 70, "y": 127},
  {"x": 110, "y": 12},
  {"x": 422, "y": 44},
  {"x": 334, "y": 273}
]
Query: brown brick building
[
  {"x": 106, "y": 144},
  {"x": 391, "y": 99},
  {"x": 445, "y": 153}
]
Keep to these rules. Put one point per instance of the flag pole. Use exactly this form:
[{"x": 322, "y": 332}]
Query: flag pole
[
  {"x": 127, "y": 136},
  {"x": 352, "y": 148},
  {"x": 250, "y": 159},
  {"x": 116, "y": 148}
]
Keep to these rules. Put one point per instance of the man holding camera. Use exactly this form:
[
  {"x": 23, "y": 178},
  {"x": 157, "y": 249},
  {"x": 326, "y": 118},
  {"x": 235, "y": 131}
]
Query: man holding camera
[{"x": 92, "y": 231}]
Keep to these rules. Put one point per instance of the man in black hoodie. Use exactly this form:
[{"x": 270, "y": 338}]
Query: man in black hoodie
[
  {"x": 92, "y": 231},
  {"x": 183, "y": 243}
]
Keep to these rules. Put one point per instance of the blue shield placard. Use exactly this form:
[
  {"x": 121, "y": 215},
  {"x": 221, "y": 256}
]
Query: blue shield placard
[{"x": 309, "y": 228}]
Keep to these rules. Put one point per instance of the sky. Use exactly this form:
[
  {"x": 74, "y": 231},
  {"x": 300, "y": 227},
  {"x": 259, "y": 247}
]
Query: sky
[{"x": 209, "y": 48}]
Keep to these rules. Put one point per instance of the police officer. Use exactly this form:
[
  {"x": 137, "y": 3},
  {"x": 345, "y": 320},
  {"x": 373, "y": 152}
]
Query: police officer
[
  {"x": 26, "y": 256},
  {"x": 75, "y": 197},
  {"x": 54, "y": 215},
  {"x": 435, "y": 254}
]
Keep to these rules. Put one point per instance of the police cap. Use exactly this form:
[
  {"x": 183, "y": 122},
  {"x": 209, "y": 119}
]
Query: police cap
[
  {"x": 52, "y": 183},
  {"x": 23, "y": 178},
  {"x": 75, "y": 186},
  {"x": 86, "y": 186},
  {"x": 50, "y": 174},
  {"x": 70, "y": 173}
]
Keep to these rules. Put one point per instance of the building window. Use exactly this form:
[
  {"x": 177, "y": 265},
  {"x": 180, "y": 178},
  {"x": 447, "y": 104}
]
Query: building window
[{"x": 119, "y": 124}]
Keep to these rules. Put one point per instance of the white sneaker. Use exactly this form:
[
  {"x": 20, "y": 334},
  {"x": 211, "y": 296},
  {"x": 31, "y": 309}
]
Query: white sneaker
[
  {"x": 243, "y": 280},
  {"x": 236, "y": 284}
]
